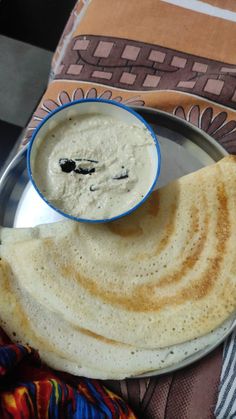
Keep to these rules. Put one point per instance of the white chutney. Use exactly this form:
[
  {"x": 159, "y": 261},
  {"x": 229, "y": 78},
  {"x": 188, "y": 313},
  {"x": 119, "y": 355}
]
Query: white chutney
[{"x": 94, "y": 166}]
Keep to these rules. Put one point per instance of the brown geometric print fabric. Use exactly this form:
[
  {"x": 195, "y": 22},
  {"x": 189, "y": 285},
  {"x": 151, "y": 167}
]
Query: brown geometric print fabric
[
  {"x": 139, "y": 66},
  {"x": 169, "y": 57}
]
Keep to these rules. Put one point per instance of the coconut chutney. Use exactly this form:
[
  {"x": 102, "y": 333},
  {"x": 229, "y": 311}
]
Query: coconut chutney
[{"x": 94, "y": 166}]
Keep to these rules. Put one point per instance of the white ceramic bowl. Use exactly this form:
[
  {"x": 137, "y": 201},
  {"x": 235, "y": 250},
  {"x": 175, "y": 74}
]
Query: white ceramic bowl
[{"x": 91, "y": 106}]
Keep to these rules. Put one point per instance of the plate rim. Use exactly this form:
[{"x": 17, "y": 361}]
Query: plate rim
[{"x": 214, "y": 143}]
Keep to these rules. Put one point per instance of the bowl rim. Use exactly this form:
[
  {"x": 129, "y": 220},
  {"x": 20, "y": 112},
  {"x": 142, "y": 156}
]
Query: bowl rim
[{"x": 108, "y": 102}]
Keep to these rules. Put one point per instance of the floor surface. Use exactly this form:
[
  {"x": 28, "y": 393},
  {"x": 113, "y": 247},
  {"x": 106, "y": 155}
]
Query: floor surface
[{"x": 24, "y": 71}]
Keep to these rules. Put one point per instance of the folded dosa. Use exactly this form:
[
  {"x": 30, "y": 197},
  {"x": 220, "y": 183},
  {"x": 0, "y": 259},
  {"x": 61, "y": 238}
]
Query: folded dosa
[
  {"x": 162, "y": 276},
  {"x": 80, "y": 352}
]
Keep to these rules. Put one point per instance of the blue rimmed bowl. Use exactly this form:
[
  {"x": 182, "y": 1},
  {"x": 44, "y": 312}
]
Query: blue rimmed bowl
[{"x": 86, "y": 107}]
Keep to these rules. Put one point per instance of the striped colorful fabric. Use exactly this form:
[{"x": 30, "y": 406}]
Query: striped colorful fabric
[
  {"x": 10, "y": 355},
  {"x": 226, "y": 405},
  {"x": 30, "y": 390}
]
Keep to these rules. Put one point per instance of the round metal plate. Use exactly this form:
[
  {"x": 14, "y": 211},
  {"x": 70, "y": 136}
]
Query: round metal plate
[{"x": 184, "y": 149}]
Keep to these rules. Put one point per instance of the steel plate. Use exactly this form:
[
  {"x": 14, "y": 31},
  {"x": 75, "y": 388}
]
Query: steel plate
[{"x": 184, "y": 149}]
